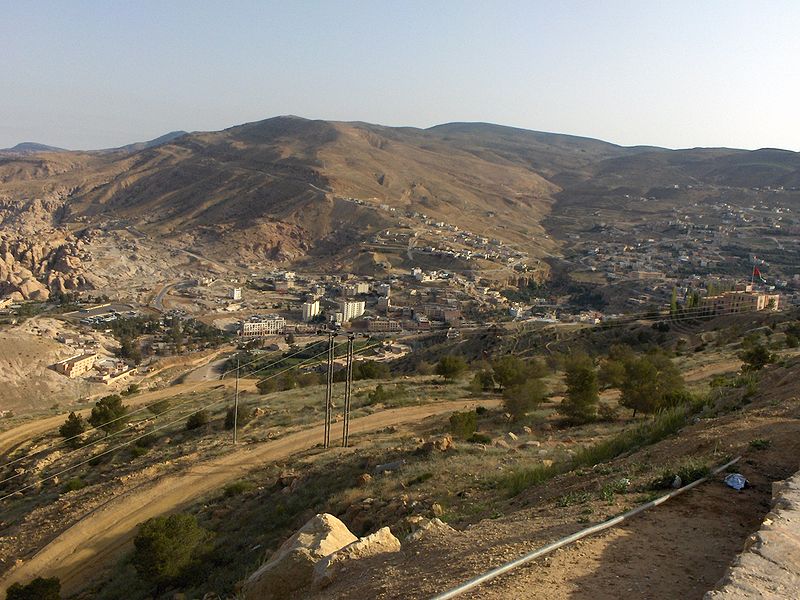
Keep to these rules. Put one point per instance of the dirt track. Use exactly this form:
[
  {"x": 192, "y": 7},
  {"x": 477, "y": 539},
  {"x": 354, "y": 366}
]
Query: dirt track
[
  {"x": 14, "y": 437},
  {"x": 97, "y": 539}
]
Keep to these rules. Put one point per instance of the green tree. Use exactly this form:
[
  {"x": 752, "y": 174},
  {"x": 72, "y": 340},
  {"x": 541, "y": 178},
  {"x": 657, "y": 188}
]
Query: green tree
[
  {"x": 166, "y": 547},
  {"x": 109, "y": 414},
  {"x": 580, "y": 403},
  {"x": 519, "y": 399},
  {"x": 451, "y": 366},
  {"x": 649, "y": 382},
  {"x": 483, "y": 381},
  {"x": 510, "y": 370},
  {"x": 267, "y": 386},
  {"x": 72, "y": 429},
  {"x": 756, "y": 357},
  {"x": 38, "y": 589}
]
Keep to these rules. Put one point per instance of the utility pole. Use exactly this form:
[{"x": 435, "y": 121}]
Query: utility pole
[
  {"x": 348, "y": 385},
  {"x": 236, "y": 404},
  {"x": 329, "y": 394}
]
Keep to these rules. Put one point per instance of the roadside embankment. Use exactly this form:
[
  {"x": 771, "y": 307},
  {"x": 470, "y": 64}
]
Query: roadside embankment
[{"x": 769, "y": 565}]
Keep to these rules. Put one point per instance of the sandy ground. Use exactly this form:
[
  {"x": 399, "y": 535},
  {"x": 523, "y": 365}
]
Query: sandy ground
[{"x": 97, "y": 540}]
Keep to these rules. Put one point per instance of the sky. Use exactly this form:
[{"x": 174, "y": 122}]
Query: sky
[{"x": 98, "y": 74}]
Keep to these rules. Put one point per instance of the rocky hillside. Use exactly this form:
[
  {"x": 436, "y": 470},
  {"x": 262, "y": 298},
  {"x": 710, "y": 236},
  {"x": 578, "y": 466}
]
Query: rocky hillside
[{"x": 278, "y": 190}]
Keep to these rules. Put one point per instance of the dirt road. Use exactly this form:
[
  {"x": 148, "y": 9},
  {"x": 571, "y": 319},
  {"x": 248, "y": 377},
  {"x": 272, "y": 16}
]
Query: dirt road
[
  {"x": 96, "y": 541},
  {"x": 14, "y": 437}
]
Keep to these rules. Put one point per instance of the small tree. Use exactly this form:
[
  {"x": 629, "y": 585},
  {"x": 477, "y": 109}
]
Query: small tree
[
  {"x": 72, "y": 429},
  {"x": 756, "y": 357},
  {"x": 463, "y": 424},
  {"x": 521, "y": 398},
  {"x": 158, "y": 407},
  {"x": 109, "y": 414},
  {"x": 38, "y": 589},
  {"x": 198, "y": 420},
  {"x": 267, "y": 386},
  {"x": 580, "y": 403},
  {"x": 166, "y": 547},
  {"x": 450, "y": 367},
  {"x": 510, "y": 370},
  {"x": 649, "y": 382}
]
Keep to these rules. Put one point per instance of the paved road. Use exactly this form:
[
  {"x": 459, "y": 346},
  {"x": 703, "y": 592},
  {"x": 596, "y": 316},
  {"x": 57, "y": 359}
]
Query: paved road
[{"x": 97, "y": 540}]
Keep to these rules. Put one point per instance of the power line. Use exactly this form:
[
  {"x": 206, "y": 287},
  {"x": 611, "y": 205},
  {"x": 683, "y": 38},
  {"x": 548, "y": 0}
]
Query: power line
[
  {"x": 142, "y": 409},
  {"x": 181, "y": 418}
]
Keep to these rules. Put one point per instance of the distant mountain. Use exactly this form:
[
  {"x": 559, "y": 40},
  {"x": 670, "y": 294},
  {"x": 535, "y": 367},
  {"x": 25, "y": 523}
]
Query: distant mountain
[
  {"x": 30, "y": 148},
  {"x": 137, "y": 146},
  {"x": 281, "y": 189}
]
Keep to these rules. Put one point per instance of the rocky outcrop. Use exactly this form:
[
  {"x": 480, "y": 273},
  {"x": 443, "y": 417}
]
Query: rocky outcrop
[
  {"x": 315, "y": 556},
  {"x": 769, "y": 566},
  {"x": 291, "y": 567},
  {"x": 330, "y": 567}
]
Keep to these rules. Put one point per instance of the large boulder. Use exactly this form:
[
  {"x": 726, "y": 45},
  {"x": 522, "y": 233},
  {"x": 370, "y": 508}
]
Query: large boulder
[
  {"x": 291, "y": 567},
  {"x": 380, "y": 542}
]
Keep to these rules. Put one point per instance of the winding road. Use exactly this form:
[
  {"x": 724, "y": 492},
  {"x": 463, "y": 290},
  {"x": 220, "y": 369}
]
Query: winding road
[{"x": 98, "y": 538}]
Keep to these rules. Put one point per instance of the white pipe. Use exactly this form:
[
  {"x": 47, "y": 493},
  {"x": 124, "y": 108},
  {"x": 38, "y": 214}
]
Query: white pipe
[{"x": 476, "y": 581}]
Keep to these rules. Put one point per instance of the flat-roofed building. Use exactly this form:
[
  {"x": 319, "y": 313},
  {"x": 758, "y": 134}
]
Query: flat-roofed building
[
  {"x": 76, "y": 365},
  {"x": 740, "y": 301},
  {"x": 310, "y": 310},
  {"x": 258, "y": 326},
  {"x": 351, "y": 309}
]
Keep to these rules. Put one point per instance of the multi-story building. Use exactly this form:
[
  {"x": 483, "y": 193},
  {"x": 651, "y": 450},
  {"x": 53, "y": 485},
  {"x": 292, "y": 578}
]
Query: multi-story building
[
  {"x": 351, "y": 309},
  {"x": 76, "y": 365},
  {"x": 740, "y": 301},
  {"x": 310, "y": 310},
  {"x": 258, "y": 326},
  {"x": 236, "y": 294},
  {"x": 354, "y": 289},
  {"x": 377, "y": 324},
  {"x": 384, "y": 290}
]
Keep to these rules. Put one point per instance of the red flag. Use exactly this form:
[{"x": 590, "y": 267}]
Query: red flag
[{"x": 757, "y": 273}]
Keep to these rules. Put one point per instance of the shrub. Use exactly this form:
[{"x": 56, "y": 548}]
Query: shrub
[
  {"x": 242, "y": 417},
  {"x": 480, "y": 438},
  {"x": 760, "y": 444},
  {"x": 463, "y": 424},
  {"x": 689, "y": 471},
  {"x": 450, "y": 367},
  {"x": 72, "y": 429},
  {"x": 38, "y": 589},
  {"x": 131, "y": 390},
  {"x": 165, "y": 547},
  {"x": 74, "y": 484},
  {"x": 198, "y": 419},
  {"x": 238, "y": 487},
  {"x": 606, "y": 412},
  {"x": 267, "y": 386},
  {"x": 159, "y": 407},
  {"x": 425, "y": 368},
  {"x": 109, "y": 414},
  {"x": 792, "y": 341},
  {"x": 756, "y": 357}
]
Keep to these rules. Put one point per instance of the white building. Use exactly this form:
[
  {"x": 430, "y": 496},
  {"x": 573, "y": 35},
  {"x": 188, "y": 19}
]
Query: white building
[
  {"x": 236, "y": 294},
  {"x": 310, "y": 310},
  {"x": 354, "y": 289},
  {"x": 258, "y": 326},
  {"x": 351, "y": 309}
]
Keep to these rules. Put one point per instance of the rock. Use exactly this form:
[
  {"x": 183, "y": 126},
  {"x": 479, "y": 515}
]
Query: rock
[
  {"x": 512, "y": 436},
  {"x": 437, "y": 509},
  {"x": 530, "y": 444},
  {"x": 440, "y": 444},
  {"x": 291, "y": 567},
  {"x": 380, "y": 542},
  {"x": 501, "y": 443},
  {"x": 364, "y": 480},
  {"x": 390, "y": 466},
  {"x": 527, "y": 430},
  {"x": 547, "y": 463},
  {"x": 426, "y": 527}
]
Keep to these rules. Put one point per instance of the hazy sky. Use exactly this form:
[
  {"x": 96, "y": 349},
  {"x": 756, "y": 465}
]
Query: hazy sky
[{"x": 102, "y": 73}]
